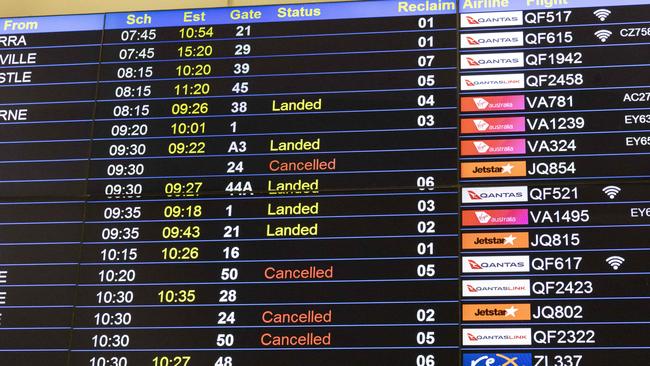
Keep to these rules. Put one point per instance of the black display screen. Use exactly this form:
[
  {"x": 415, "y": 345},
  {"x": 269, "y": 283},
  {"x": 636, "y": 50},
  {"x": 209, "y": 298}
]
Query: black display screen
[{"x": 366, "y": 183}]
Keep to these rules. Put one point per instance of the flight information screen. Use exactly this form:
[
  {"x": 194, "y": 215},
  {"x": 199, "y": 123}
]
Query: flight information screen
[{"x": 403, "y": 183}]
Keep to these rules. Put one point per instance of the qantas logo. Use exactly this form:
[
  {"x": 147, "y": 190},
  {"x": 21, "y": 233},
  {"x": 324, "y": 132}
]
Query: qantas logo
[
  {"x": 471, "y": 20},
  {"x": 474, "y": 265},
  {"x": 492, "y": 60},
  {"x": 473, "y": 196},
  {"x": 495, "y": 194},
  {"x": 497, "y": 359},
  {"x": 496, "y": 19},
  {"x": 502, "y": 264},
  {"x": 485, "y": 40}
]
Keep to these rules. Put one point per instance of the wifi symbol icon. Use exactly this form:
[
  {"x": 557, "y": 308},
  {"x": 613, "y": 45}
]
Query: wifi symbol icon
[
  {"x": 612, "y": 191},
  {"x": 602, "y": 14},
  {"x": 603, "y": 35},
  {"x": 615, "y": 262}
]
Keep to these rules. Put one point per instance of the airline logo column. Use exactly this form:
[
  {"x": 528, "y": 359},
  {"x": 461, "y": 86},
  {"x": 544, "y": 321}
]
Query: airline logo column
[
  {"x": 554, "y": 113},
  {"x": 494, "y": 285}
]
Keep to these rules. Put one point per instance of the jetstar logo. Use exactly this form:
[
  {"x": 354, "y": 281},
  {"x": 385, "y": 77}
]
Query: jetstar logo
[
  {"x": 501, "y": 264},
  {"x": 497, "y": 337},
  {"x": 493, "y": 288},
  {"x": 495, "y": 194},
  {"x": 485, "y": 40},
  {"x": 497, "y": 359},
  {"x": 493, "y": 19},
  {"x": 492, "y": 82},
  {"x": 496, "y": 312},
  {"x": 497, "y": 169},
  {"x": 492, "y": 60},
  {"x": 501, "y": 240}
]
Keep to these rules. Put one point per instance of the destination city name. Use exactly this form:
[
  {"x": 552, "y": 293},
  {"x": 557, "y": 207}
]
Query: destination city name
[
  {"x": 13, "y": 41},
  {"x": 18, "y": 58},
  {"x": 13, "y": 115},
  {"x": 16, "y": 77}
]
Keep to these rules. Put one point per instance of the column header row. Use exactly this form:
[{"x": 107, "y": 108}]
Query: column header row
[
  {"x": 284, "y": 13},
  {"x": 237, "y": 15}
]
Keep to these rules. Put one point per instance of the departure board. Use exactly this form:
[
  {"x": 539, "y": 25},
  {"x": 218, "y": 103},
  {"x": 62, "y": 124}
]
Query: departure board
[
  {"x": 403, "y": 183},
  {"x": 554, "y": 172}
]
